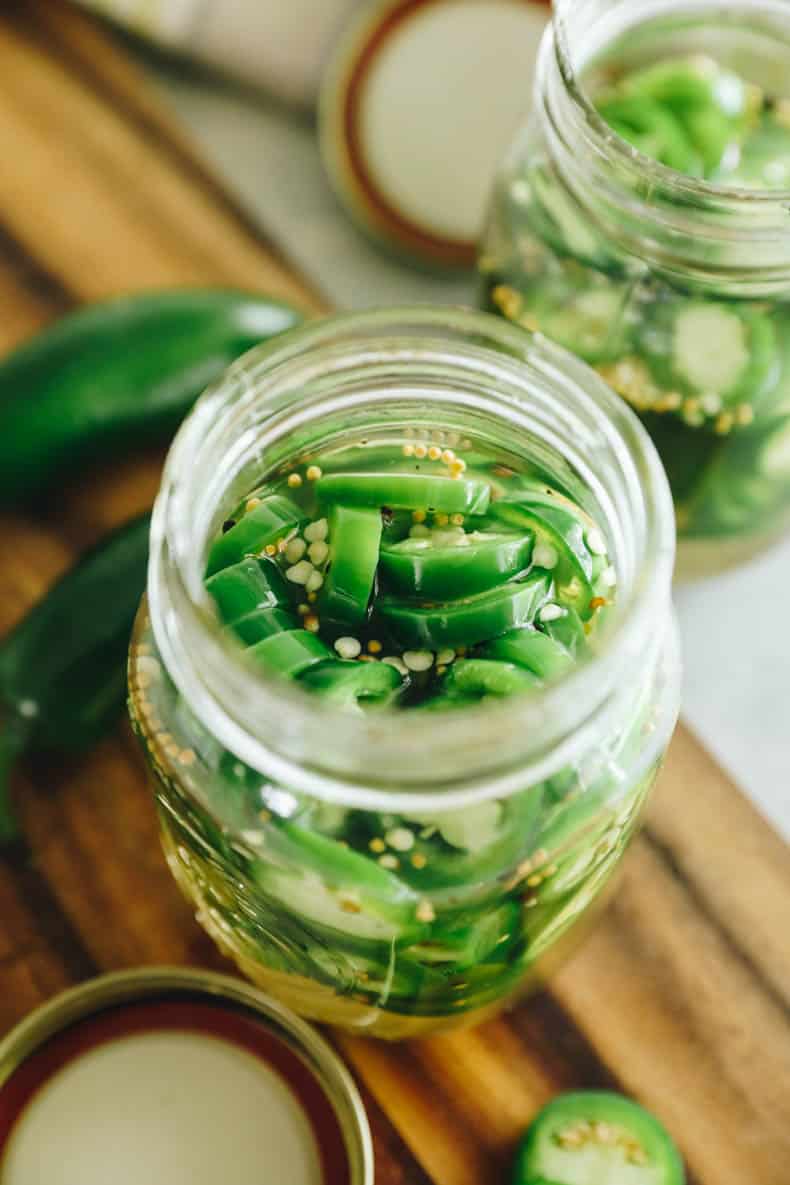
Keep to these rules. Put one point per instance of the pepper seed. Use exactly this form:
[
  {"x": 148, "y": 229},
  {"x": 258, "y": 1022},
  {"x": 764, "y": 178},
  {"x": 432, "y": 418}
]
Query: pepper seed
[
  {"x": 545, "y": 556},
  {"x": 551, "y": 613},
  {"x": 400, "y": 838},
  {"x": 348, "y": 647},
  {"x": 317, "y": 531},
  {"x": 299, "y": 573},
  {"x": 318, "y": 552},
  {"x": 418, "y": 660},
  {"x": 295, "y": 549}
]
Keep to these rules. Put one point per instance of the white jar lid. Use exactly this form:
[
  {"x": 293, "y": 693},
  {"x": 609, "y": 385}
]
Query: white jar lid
[
  {"x": 176, "y": 1077},
  {"x": 418, "y": 107}
]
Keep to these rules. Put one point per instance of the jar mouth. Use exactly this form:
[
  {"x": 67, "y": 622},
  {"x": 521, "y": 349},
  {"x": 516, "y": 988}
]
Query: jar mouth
[
  {"x": 561, "y": 41},
  {"x": 337, "y": 371}
]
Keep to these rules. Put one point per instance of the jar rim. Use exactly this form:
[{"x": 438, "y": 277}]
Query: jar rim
[
  {"x": 557, "y": 46},
  {"x": 382, "y": 755}
]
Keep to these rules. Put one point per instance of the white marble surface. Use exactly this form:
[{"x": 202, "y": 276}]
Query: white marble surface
[{"x": 736, "y": 628}]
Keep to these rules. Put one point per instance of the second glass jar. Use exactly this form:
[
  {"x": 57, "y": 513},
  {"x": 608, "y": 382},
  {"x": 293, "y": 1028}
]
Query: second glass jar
[
  {"x": 676, "y": 290},
  {"x": 403, "y": 871}
]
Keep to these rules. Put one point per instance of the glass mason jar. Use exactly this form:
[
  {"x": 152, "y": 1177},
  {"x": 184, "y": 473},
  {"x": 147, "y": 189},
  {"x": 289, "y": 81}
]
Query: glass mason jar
[
  {"x": 676, "y": 290},
  {"x": 523, "y": 807}
]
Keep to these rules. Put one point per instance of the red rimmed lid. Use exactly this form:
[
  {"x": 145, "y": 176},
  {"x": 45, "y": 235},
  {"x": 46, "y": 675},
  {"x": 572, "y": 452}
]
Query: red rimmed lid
[
  {"x": 175, "y": 1083},
  {"x": 418, "y": 107}
]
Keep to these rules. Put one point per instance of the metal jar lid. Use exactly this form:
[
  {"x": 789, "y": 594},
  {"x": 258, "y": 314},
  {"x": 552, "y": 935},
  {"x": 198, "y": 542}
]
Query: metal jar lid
[
  {"x": 418, "y": 106},
  {"x": 113, "y": 1070}
]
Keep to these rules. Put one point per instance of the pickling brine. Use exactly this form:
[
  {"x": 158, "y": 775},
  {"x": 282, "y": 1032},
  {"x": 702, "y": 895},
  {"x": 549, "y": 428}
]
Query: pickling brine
[{"x": 405, "y": 606}]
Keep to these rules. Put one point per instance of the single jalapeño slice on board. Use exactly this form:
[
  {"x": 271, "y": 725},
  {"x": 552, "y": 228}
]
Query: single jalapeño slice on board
[{"x": 597, "y": 1138}]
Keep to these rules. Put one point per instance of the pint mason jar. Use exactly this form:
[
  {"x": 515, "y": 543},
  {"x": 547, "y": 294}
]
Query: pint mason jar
[
  {"x": 519, "y": 810},
  {"x": 676, "y": 290}
]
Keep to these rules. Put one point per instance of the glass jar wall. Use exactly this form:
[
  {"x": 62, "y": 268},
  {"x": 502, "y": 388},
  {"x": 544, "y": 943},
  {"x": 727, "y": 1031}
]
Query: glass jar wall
[
  {"x": 676, "y": 289},
  {"x": 400, "y": 871}
]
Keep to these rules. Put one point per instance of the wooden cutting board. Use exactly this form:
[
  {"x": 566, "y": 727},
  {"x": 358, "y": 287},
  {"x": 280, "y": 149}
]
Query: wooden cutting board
[{"x": 682, "y": 995}]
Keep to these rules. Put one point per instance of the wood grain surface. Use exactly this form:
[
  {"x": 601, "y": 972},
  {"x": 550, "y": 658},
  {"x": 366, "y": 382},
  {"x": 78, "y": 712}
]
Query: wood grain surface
[{"x": 681, "y": 997}]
